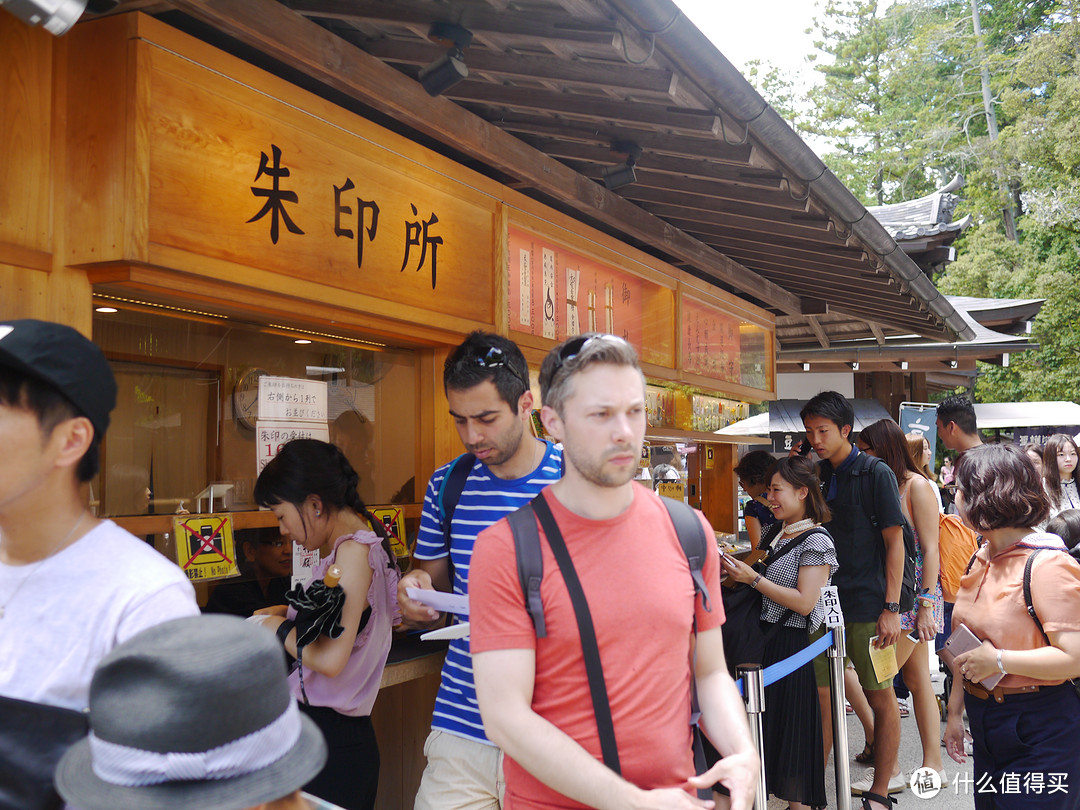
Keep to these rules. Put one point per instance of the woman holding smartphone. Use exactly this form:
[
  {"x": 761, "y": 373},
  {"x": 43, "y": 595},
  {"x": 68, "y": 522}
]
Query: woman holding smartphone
[
  {"x": 803, "y": 562},
  {"x": 1028, "y": 726}
]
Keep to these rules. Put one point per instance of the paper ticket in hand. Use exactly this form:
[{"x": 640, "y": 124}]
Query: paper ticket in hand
[{"x": 440, "y": 600}]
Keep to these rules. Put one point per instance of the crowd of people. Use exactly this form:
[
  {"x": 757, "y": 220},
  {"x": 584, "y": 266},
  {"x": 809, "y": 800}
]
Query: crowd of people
[{"x": 593, "y": 673}]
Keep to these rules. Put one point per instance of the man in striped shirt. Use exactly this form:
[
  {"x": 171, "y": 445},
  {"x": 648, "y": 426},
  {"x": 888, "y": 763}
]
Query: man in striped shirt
[{"x": 486, "y": 380}]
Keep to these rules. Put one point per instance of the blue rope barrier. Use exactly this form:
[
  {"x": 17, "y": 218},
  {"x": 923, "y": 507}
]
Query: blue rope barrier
[{"x": 781, "y": 669}]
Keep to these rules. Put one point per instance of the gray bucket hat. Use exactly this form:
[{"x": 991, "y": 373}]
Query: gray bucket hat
[{"x": 194, "y": 712}]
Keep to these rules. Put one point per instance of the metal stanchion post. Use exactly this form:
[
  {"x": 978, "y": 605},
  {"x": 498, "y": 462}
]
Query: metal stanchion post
[
  {"x": 754, "y": 695},
  {"x": 837, "y": 652}
]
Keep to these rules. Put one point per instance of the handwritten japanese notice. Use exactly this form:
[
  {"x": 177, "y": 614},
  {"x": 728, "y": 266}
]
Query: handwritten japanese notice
[
  {"x": 721, "y": 346},
  {"x": 292, "y": 398}
]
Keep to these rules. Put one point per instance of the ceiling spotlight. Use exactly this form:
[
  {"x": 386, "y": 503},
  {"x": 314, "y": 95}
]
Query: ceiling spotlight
[
  {"x": 301, "y": 341},
  {"x": 622, "y": 174},
  {"x": 55, "y": 16},
  {"x": 450, "y": 68},
  {"x": 106, "y": 310}
]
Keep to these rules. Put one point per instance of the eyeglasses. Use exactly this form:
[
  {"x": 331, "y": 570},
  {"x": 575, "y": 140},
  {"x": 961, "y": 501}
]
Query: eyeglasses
[
  {"x": 495, "y": 357},
  {"x": 274, "y": 543},
  {"x": 575, "y": 346}
]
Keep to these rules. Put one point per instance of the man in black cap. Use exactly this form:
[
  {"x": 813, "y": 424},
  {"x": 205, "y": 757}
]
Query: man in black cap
[{"x": 72, "y": 587}]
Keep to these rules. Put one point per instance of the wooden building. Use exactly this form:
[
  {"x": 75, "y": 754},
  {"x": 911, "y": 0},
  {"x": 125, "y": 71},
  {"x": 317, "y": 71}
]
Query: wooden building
[{"x": 220, "y": 190}]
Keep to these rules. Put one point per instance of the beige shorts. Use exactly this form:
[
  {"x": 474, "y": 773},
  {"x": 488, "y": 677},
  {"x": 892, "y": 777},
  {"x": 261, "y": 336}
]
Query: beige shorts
[{"x": 460, "y": 774}]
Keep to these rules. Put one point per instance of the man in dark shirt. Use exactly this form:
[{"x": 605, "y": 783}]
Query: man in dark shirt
[{"x": 870, "y": 575}]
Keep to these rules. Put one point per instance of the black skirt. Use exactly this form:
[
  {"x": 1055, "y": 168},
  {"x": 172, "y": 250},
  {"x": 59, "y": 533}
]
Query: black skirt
[{"x": 794, "y": 751}]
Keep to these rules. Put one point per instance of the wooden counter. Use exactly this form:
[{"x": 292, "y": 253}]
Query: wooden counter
[{"x": 402, "y": 717}]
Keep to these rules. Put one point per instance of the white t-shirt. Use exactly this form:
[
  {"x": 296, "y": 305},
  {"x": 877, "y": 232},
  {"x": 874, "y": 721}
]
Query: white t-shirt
[{"x": 76, "y": 606}]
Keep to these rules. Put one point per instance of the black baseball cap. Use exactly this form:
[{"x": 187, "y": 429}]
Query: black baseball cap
[{"x": 60, "y": 357}]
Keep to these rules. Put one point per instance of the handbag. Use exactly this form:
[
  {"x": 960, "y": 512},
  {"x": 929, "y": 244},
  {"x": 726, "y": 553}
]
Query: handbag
[
  {"x": 33, "y": 737},
  {"x": 744, "y": 637}
]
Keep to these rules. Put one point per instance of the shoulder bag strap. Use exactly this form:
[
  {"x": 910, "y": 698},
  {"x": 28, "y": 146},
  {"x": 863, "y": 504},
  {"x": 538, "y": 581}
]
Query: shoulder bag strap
[
  {"x": 1027, "y": 592},
  {"x": 591, "y": 652}
]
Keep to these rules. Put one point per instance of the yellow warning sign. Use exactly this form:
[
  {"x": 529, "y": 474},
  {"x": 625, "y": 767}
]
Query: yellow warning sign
[
  {"x": 393, "y": 518},
  {"x": 205, "y": 547}
]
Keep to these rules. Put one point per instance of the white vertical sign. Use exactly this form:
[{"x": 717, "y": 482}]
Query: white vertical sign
[
  {"x": 524, "y": 287},
  {"x": 572, "y": 284},
  {"x": 549, "y": 293}
]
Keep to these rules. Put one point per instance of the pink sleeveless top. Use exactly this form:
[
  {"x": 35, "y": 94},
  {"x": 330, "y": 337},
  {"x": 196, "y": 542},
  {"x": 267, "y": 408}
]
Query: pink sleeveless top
[{"x": 353, "y": 691}]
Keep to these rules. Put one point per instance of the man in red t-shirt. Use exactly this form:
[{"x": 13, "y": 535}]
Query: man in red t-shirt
[{"x": 533, "y": 693}]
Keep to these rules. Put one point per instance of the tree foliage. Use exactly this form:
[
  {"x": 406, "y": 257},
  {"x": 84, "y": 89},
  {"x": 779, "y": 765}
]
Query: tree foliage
[{"x": 900, "y": 103}]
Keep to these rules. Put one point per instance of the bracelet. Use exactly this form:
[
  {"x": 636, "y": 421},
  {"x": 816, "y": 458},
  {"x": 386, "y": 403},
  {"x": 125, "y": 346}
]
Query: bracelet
[
  {"x": 757, "y": 579},
  {"x": 926, "y": 600},
  {"x": 1001, "y": 666},
  {"x": 283, "y": 630}
]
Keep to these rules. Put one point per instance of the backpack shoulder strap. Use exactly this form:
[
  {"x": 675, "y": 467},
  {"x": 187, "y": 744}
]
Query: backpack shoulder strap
[
  {"x": 450, "y": 489},
  {"x": 530, "y": 563},
  {"x": 692, "y": 539},
  {"x": 866, "y": 485}
]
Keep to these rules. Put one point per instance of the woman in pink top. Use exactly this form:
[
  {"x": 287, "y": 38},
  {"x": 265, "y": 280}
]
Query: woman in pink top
[
  {"x": 1026, "y": 729},
  {"x": 311, "y": 489}
]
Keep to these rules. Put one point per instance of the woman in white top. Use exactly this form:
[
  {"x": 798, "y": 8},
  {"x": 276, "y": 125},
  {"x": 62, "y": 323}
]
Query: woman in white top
[{"x": 1059, "y": 473}]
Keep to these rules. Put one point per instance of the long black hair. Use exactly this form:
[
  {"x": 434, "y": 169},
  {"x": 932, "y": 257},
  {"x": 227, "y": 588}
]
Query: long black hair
[{"x": 305, "y": 467}]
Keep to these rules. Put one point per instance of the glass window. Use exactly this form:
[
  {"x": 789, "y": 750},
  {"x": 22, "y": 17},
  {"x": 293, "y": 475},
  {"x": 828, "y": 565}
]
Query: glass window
[{"x": 183, "y": 428}]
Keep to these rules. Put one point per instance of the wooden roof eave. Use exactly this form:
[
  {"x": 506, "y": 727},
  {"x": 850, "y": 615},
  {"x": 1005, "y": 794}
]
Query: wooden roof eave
[{"x": 296, "y": 41}]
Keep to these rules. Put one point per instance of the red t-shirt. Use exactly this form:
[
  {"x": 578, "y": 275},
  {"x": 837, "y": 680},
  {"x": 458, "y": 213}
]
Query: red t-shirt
[{"x": 637, "y": 582}]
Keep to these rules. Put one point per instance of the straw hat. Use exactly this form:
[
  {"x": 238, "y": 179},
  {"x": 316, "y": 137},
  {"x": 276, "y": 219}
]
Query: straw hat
[{"x": 191, "y": 713}]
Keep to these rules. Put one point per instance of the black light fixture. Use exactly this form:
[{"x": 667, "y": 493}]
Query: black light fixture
[
  {"x": 450, "y": 68},
  {"x": 622, "y": 174},
  {"x": 55, "y": 16}
]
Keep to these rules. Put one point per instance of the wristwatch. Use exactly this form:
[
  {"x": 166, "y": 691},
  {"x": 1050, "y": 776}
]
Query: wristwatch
[{"x": 892, "y": 607}]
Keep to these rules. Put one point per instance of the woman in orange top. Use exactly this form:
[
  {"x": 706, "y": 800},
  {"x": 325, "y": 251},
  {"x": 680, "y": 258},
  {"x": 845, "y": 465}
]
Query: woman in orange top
[{"x": 1026, "y": 731}]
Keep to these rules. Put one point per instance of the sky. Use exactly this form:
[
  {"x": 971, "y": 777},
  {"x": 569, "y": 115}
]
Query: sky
[{"x": 773, "y": 31}]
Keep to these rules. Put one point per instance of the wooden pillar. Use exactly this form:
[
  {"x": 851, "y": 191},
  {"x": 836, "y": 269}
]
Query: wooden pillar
[{"x": 718, "y": 485}]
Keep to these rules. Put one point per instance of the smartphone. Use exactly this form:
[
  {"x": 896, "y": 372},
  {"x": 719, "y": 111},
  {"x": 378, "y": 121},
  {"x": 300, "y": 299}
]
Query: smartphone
[
  {"x": 914, "y": 636},
  {"x": 804, "y": 447}
]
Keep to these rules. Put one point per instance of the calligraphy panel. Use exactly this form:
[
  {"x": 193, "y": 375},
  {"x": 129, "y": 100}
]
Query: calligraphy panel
[{"x": 555, "y": 292}]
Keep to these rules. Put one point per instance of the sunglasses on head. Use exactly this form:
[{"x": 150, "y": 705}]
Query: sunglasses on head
[
  {"x": 494, "y": 357},
  {"x": 575, "y": 346}
]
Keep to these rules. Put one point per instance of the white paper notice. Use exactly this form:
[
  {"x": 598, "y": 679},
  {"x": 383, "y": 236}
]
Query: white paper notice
[
  {"x": 440, "y": 600},
  {"x": 524, "y": 287},
  {"x": 572, "y": 283},
  {"x": 549, "y": 293}
]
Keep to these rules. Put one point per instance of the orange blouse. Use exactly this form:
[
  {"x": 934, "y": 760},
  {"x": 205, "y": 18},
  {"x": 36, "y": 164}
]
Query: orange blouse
[{"x": 991, "y": 597}]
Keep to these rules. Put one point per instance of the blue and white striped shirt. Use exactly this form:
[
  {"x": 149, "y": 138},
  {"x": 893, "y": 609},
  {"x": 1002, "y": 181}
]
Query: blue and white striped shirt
[{"x": 485, "y": 500}]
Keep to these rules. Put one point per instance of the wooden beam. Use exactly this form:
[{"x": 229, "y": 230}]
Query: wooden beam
[
  {"x": 730, "y": 220},
  {"x": 532, "y": 25},
  {"x": 635, "y": 113},
  {"x": 614, "y": 75},
  {"x": 823, "y": 339},
  {"x": 713, "y": 159},
  {"x": 879, "y": 336},
  {"x": 305, "y": 46}
]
